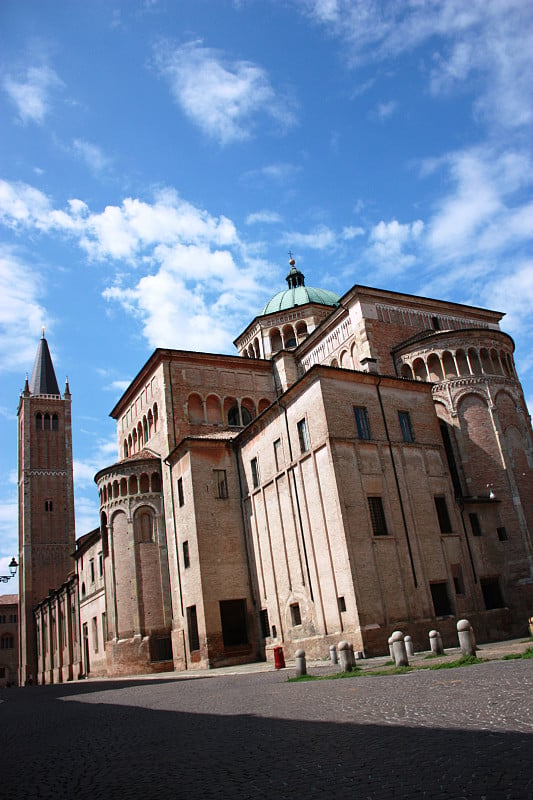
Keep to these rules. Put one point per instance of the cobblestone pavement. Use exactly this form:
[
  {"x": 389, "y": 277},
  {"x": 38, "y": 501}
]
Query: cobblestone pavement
[{"x": 462, "y": 733}]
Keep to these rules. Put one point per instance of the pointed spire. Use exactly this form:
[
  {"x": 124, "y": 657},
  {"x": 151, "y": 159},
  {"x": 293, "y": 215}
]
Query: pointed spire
[
  {"x": 26, "y": 389},
  {"x": 43, "y": 378},
  {"x": 67, "y": 388}
]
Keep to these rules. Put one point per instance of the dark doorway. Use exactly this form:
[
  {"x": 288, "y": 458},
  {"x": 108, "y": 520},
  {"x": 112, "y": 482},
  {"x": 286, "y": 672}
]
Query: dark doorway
[
  {"x": 233, "y": 618},
  {"x": 441, "y": 599},
  {"x": 86, "y": 648}
]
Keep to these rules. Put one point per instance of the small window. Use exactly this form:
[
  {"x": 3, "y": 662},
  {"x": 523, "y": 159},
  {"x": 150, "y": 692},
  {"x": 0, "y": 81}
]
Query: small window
[
  {"x": 221, "y": 484},
  {"x": 192, "y": 626},
  {"x": 186, "y": 556},
  {"x": 39, "y": 421},
  {"x": 502, "y": 533},
  {"x": 442, "y": 513},
  {"x": 181, "y": 499},
  {"x": 100, "y": 565},
  {"x": 91, "y": 570},
  {"x": 492, "y": 593},
  {"x": 278, "y": 454},
  {"x": 362, "y": 422},
  {"x": 13, "y": 618},
  {"x": 342, "y": 604},
  {"x": 458, "y": 580},
  {"x": 104, "y": 627},
  {"x": 296, "y": 615},
  {"x": 55, "y": 422},
  {"x": 95, "y": 634},
  {"x": 475, "y": 524},
  {"x": 265, "y": 626},
  {"x": 7, "y": 642},
  {"x": 441, "y": 599},
  {"x": 436, "y": 323},
  {"x": 255, "y": 472},
  {"x": 303, "y": 436},
  {"x": 405, "y": 426},
  {"x": 377, "y": 516},
  {"x": 48, "y": 506}
]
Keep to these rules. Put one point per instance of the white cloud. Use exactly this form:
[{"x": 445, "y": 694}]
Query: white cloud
[
  {"x": 223, "y": 98},
  {"x": 319, "y": 239},
  {"x": 486, "y": 46},
  {"x": 91, "y": 154},
  {"x": 21, "y": 312},
  {"x": 385, "y": 110},
  {"x": 388, "y": 243},
  {"x": 264, "y": 217},
  {"x": 31, "y": 94},
  {"x": 351, "y": 232},
  {"x": 485, "y": 209},
  {"x": 280, "y": 172}
]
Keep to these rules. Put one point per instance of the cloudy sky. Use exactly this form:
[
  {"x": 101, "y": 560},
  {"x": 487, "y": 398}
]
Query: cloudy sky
[{"x": 159, "y": 159}]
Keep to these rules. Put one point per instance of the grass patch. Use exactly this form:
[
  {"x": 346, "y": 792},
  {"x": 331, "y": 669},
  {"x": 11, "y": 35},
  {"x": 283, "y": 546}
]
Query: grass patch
[
  {"x": 436, "y": 655},
  {"x": 464, "y": 661},
  {"x": 515, "y": 656},
  {"x": 354, "y": 673}
]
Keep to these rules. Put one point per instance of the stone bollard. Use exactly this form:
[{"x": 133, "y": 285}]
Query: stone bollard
[
  {"x": 467, "y": 642},
  {"x": 391, "y": 651},
  {"x": 352, "y": 657},
  {"x": 398, "y": 648},
  {"x": 301, "y": 667},
  {"x": 410, "y": 650},
  {"x": 435, "y": 642},
  {"x": 345, "y": 656},
  {"x": 333, "y": 654}
]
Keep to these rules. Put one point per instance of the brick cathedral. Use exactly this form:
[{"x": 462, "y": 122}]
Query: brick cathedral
[{"x": 364, "y": 464}]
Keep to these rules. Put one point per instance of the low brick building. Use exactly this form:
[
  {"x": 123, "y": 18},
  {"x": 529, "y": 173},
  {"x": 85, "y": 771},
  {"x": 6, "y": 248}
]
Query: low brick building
[
  {"x": 365, "y": 463},
  {"x": 8, "y": 639}
]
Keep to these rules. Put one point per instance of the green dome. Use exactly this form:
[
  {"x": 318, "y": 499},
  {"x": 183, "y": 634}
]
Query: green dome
[{"x": 298, "y": 294}]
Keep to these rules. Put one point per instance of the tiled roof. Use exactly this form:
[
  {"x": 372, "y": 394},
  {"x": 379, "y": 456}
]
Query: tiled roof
[{"x": 8, "y": 599}]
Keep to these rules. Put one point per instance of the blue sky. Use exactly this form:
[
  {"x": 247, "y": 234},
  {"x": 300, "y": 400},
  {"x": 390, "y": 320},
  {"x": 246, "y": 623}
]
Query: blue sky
[{"x": 159, "y": 159}]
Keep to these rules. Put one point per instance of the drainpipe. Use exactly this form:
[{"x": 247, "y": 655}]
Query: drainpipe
[{"x": 397, "y": 483}]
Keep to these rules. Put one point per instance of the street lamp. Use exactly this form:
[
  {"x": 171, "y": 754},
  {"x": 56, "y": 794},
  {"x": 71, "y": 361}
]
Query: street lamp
[{"x": 13, "y": 570}]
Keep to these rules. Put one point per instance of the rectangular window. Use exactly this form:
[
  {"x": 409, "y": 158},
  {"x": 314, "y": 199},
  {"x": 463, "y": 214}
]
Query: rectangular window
[
  {"x": 296, "y": 615},
  {"x": 362, "y": 422},
  {"x": 502, "y": 533},
  {"x": 492, "y": 593},
  {"x": 278, "y": 454},
  {"x": 95, "y": 634},
  {"x": 221, "y": 483},
  {"x": 377, "y": 516},
  {"x": 48, "y": 505},
  {"x": 458, "y": 580},
  {"x": 441, "y": 599},
  {"x": 342, "y": 604},
  {"x": 233, "y": 619},
  {"x": 265, "y": 625},
  {"x": 91, "y": 569},
  {"x": 255, "y": 472},
  {"x": 475, "y": 524},
  {"x": 104, "y": 627},
  {"x": 186, "y": 557},
  {"x": 303, "y": 436},
  {"x": 405, "y": 426},
  {"x": 181, "y": 499},
  {"x": 100, "y": 565},
  {"x": 192, "y": 626},
  {"x": 442, "y": 513}
]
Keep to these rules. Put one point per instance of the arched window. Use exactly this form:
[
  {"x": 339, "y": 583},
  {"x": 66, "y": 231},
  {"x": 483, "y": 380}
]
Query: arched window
[
  {"x": 449, "y": 365},
  {"x": 156, "y": 417},
  {"x": 485, "y": 361},
  {"x": 233, "y": 415},
  {"x": 195, "y": 408},
  {"x": 419, "y": 368},
  {"x": 289, "y": 337},
  {"x": 133, "y": 484},
  {"x": 46, "y": 422},
  {"x": 462, "y": 363},
  {"x": 144, "y": 483},
  {"x": 144, "y": 525},
  {"x": 123, "y": 487},
  {"x": 115, "y": 488},
  {"x": 301, "y": 331},
  {"x": 247, "y": 410},
  {"x": 39, "y": 421},
  {"x": 213, "y": 410},
  {"x": 150, "y": 423},
  {"x": 434, "y": 368},
  {"x": 474, "y": 361},
  {"x": 275, "y": 340},
  {"x": 140, "y": 436},
  {"x": 407, "y": 372},
  {"x": 263, "y": 404},
  {"x": 83, "y": 590},
  {"x": 55, "y": 422},
  {"x": 246, "y": 416},
  {"x": 145, "y": 429},
  {"x": 125, "y": 448},
  {"x": 156, "y": 482}
]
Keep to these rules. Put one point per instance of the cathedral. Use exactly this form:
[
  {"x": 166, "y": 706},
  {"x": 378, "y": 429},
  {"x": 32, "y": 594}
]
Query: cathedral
[{"x": 363, "y": 464}]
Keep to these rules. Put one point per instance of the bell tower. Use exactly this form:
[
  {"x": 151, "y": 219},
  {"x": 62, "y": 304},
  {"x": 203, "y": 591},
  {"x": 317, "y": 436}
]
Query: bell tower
[{"x": 45, "y": 498}]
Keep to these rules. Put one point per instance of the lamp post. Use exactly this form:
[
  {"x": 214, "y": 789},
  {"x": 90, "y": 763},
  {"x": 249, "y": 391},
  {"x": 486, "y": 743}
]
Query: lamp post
[{"x": 13, "y": 565}]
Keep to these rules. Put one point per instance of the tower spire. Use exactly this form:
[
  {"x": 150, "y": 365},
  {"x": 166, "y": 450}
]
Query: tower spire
[{"x": 43, "y": 378}]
